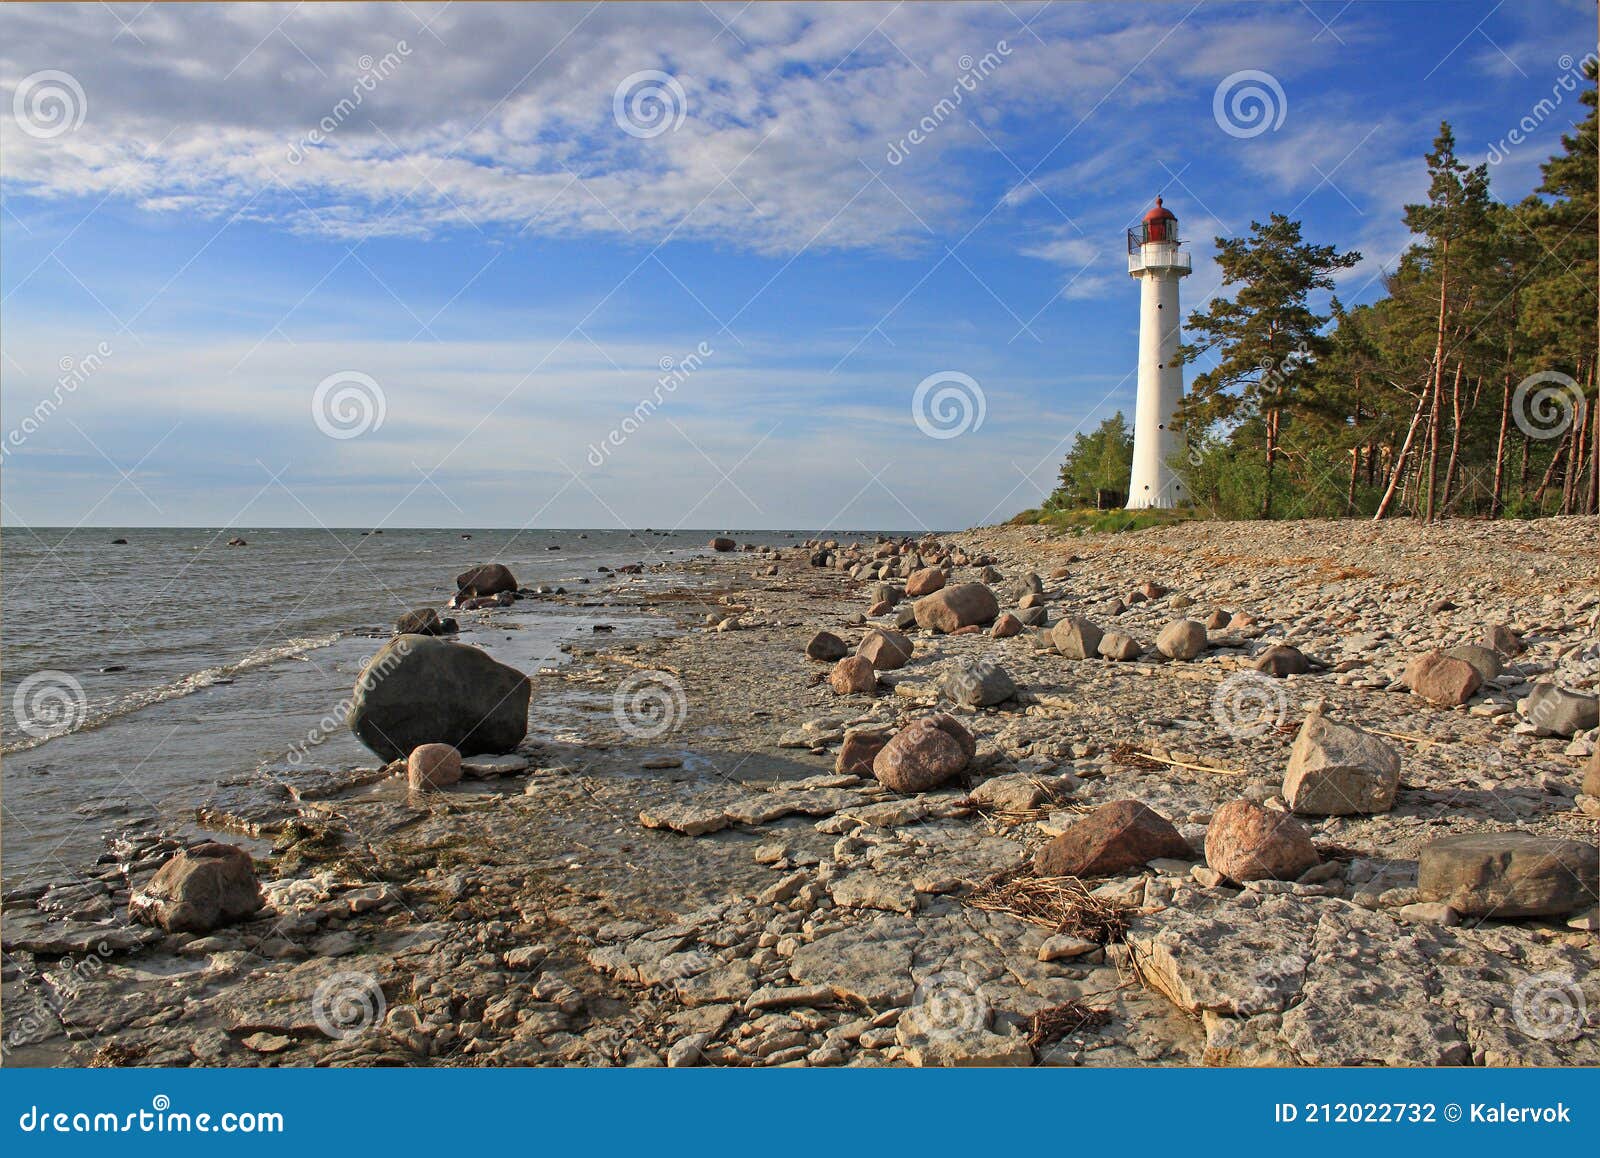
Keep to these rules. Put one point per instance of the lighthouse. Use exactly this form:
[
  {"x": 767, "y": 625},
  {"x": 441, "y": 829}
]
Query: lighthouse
[{"x": 1155, "y": 259}]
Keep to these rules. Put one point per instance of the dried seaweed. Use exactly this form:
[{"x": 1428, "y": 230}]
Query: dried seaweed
[
  {"x": 1060, "y": 904},
  {"x": 1058, "y": 1021}
]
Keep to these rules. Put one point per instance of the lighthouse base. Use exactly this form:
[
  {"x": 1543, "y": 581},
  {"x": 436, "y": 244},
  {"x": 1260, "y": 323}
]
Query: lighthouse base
[{"x": 1163, "y": 501}]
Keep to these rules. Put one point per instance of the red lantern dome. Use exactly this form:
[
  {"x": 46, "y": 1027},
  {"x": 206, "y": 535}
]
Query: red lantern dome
[{"x": 1160, "y": 224}]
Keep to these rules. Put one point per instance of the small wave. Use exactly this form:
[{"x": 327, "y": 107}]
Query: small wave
[{"x": 97, "y": 716}]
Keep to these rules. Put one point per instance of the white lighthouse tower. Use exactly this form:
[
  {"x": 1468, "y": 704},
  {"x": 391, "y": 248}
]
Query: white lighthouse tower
[{"x": 1154, "y": 257}]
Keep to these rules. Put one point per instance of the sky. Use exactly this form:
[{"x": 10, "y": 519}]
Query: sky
[{"x": 682, "y": 266}]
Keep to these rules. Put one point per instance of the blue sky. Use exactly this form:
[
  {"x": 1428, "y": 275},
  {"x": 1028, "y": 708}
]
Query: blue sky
[{"x": 224, "y": 220}]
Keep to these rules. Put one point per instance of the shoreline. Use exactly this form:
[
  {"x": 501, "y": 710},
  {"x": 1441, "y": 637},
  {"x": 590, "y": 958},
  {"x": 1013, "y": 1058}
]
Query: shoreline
[{"x": 717, "y": 893}]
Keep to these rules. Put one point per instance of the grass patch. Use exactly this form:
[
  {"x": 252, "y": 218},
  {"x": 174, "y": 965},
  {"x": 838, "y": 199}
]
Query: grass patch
[{"x": 1090, "y": 521}]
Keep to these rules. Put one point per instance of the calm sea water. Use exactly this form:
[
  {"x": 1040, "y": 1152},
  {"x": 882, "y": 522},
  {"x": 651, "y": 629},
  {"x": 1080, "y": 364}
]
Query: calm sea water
[{"x": 198, "y": 662}]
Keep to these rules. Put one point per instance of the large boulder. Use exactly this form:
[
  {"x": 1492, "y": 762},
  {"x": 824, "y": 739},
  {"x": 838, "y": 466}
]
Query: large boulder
[
  {"x": 1482, "y": 660},
  {"x": 1031, "y": 616},
  {"x": 859, "y": 749},
  {"x": 890, "y": 593},
  {"x": 1076, "y": 637},
  {"x": 200, "y": 889},
  {"x": 1246, "y": 842},
  {"x": 1508, "y": 874},
  {"x": 1555, "y": 711},
  {"x": 1339, "y": 770},
  {"x": 423, "y": 621},
  {"x": 924, "y": 754},
  {"x": 420, "y": 690},
  {"x": 885, "y": 649},
  {"x": 1118, "y": 647},
  {"x": 723, "y": 543},
  {"x": 976, "y": 683},
  {"x": 827, "y": 647},
  {"x": 1115, "y": 837},
  {"x": 485, "y": 579},
  {"x": 1440, "y": 679},
  {"x": 1182, "y": 639},
  {"x": 924, "y": 582},
  {"x": 952, "y": 608},
  {"x": 1281, "y": 660}
]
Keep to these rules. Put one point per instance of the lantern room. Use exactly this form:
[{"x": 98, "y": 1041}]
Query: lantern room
[
  {"x": 1155, "y": 245},
  {"x": 1159, "y": 227}
]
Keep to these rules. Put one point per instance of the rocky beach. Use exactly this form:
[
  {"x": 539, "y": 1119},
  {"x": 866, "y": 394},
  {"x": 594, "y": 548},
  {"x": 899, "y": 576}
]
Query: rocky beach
[{"x": 1237, "y": 794}]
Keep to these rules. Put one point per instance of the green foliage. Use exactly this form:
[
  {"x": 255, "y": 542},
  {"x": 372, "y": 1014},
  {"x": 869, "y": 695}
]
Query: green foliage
[{"x": 1100, "y": 460}]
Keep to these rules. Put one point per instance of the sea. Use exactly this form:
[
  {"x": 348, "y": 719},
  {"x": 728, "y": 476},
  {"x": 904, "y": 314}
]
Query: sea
[{"x": 136, "y": 676}]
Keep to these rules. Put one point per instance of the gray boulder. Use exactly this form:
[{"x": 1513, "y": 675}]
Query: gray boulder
[
  {"x": 485, "y": 579},
  {"x": 827, "y": 647},
  {"x": 1339, "y": 770},
  {"x": 1557, "y": 712},
  {"x": 1509, "y": 874},
  {"x": 1032, "y": 616},
  {"x": 423, "y": 621},
  {"x": 976, "y": 683},
  {"x": 1482, "y": 660},
  {"x": 419, "y": 690},
  {"x": 1281, "y": 660},
  {"x": 1076, "y": 637}
]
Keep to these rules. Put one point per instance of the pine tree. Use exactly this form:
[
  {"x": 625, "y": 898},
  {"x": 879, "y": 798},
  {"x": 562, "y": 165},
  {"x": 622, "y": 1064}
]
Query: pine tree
[{"x": 1265, "y": 337}]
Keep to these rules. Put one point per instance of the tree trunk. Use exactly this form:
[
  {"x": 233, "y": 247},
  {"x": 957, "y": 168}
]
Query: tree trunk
[
  {"x": 1495, "y": 506},
  {"x": 1455, "y": 441},
  {"x": 1438, "y": 375},
  {"x": 1272, "y": 457},
  {"x": 1550, "y": 471},
  {"x": 1435, "y": 428},
  {"x": 1400, "y": 460},
  {"x": 1355, "y": 459},
  {"x": 1594, "y": 452}
]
